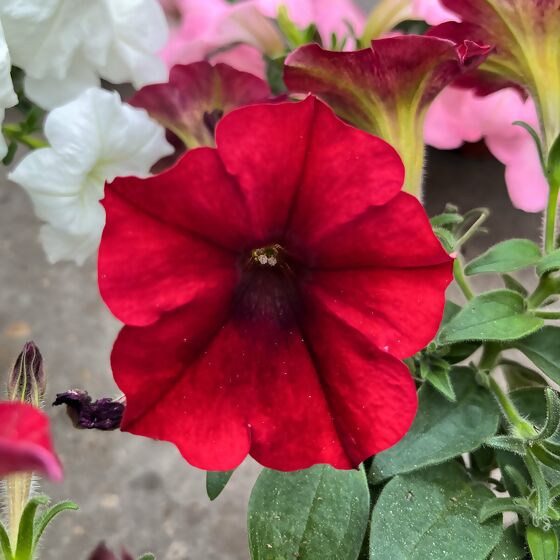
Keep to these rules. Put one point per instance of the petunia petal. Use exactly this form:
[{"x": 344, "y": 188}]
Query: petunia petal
[
  {"x": 397, "y": 234},
  {"x": 173, "y": 264},
  {"x": 251, "y": 387},
  {"x": 25, "y": 442},
  {"x": 397, "y": 309},
  {"x": 196, "y": 90},
  {"x": 379, "y": 88},
  {"x": 372, "y": 395},
  {"x": 346, "y": 172},
  {"x": 272, "y": 154}
]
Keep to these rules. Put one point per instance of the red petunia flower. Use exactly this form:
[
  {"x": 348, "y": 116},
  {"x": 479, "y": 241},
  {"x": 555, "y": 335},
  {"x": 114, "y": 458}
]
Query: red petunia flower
[
  {"x": 25, "y": 442},
  {"x": 270, "y": 288}
]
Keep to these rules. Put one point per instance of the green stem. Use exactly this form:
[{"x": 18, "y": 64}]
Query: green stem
[
  {"x": 551, "y": 216},
  {"x": 552, "y": 315},
  {"x": 490, "y": 353},
  {"x": 461, "y": 279},
  {"x": 547, "y": 286},
  {"x": 509, "y": 409}
]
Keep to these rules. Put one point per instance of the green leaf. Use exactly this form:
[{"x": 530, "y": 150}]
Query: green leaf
[
  {"x": 498, "y": 315},
  {"x": 45, "y": 519},
  {"x": 442, "y": 429},
  {"x": 315, "y": 513},
  {"x": 497, "y": 506},
  {"x": 446, "y": 238},
  {"x": 440, "y": 380},
  {"x": 549, "y": 263},
  {"x": 148, "y": 556},
  {"x": 513, "y": 284},
  {"x": 446, "y": 219},
  {"x": 553, "y": 163},
  {"x": 542, "y": 544},
  {"x": 26, "y": 534},
  {"x": 518, "y": 376},
  {"x": 507, "y": 256},
  {"x": 433, "y": 514},
  {"x": 5, "y": 546},
  {"x": 511, "y": 547},
  {"x": 537, "y": 140},
  {"x": 216, "y": 481},
  {"x": 543, "y": 349}
]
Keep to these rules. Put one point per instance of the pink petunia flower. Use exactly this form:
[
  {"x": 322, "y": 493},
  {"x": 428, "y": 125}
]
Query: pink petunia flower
[
  {"x": 207, "y": 29},
  {"x": 459, "y": 115}
]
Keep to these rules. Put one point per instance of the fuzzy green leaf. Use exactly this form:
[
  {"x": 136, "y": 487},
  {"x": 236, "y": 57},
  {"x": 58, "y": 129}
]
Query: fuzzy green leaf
[
  {"x": 549, "y": 263},
  {"x": 511, "y": 547},
  {"x": 498, "y": 315},
  {"x": 542, "y": 544},
  {"x": 45, "y": 519},
  {"x": 507, "y": 256},
  {"x": 543, "y": 349},
  {"x": 26, "y": 534},
  {"x": 216, "y": 481},
  {"x": 497, "y": 506},
  {"x": 5, "y": 545},
  {"x": 513, "y": 284},
  {"x": 442, "y": 429},
  {"x": 433, "y": 514},
  {"x": 316, "y": 513}
]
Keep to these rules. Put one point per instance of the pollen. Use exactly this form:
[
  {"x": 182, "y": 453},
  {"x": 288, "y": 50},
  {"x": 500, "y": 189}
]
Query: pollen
[{"x": 266, "y": 256}]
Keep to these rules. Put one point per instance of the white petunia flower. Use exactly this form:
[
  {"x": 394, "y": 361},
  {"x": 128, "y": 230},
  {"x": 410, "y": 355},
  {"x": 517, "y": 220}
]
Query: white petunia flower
[
  {"x": 93, "y": 139},
  {"x": 66, "y": 46},
  {"x": 8, "y": 97}
]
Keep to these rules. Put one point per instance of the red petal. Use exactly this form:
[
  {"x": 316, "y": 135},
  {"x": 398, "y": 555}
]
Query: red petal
[
  {"x": 265, "y": 148},
  {"x": 313, "y": 166},
  {"x": 397, "y": 234},
  {"x": 346, "y": 172},
  {"x": 397, "y": 309},
  {"x": 25, "y": 441},
  {"x": 168, "y": 237},
  {"x": 196, "y": 89},
  {"x": 252, "y": 387},
  {"x": 372, "y": 395}
]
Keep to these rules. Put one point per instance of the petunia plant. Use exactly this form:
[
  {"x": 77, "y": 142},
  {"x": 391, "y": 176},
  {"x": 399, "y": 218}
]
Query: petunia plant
[{"x": 283, "y": 294}]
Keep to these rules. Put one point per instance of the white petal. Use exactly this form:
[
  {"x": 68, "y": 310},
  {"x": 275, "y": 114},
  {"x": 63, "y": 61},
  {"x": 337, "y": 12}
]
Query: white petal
[
  {"x": 65, "y": 46},
  {"x": 62, "y": 246},
  {"x": 140, "y": 31},
  {"x": 50, "y": 91},
  {"x": 94, "y": 139},
  {"x": 8, "y": 98}
]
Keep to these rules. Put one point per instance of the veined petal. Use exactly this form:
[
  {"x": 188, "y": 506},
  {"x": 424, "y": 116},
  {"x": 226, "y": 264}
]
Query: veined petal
[
  {"x": 196, "y": 96},
  {"x": 387, "y": 88},
  {"x": 93, "y": 139},
  {"x": 525, "y": 34}
]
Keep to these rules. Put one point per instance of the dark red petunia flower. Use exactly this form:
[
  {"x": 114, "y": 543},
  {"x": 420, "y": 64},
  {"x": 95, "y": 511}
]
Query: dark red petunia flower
[
  {"x": 25, "y": 441},
  {"x": 196, "y": 96},
  {"x": 270, "y": 289},
  {"x": 387, "y": 88}
]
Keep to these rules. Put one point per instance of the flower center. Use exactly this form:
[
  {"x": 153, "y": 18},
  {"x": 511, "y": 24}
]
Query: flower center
[
  {"x": 266, "y": 256},
  {"x": 268, "y": 286}
]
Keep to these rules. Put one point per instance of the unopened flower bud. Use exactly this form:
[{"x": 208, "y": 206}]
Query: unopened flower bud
[
  {"x": 104, "y": 414},
  {"x": 27, "y": 382}
]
